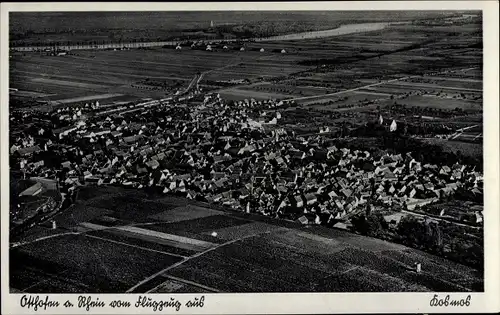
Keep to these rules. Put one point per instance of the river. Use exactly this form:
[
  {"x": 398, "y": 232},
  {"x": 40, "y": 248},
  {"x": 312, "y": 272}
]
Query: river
[{"x": 342, "y": 30}]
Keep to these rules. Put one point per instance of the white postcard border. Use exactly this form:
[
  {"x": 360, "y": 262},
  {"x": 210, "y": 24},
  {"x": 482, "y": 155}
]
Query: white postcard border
[{"x": 282, "y": 303}]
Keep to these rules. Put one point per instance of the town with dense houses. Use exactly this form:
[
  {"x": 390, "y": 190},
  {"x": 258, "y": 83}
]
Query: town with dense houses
[
  {"x": 244, "y": 151},
  {"x": 237, "y": 156}
]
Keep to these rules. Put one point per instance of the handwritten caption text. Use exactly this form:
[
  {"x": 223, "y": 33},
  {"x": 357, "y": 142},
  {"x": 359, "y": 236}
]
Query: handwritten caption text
[{"x": 87, "y": 303}]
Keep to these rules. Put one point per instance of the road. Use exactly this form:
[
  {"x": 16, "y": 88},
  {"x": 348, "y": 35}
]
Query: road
[
  {"x": 349, "y": 90},
  {"x": 127, "y": 109},
  {"x": 460, "y": 131},
  {"x": 193, "y": 82},
  {"x": 479, "y": 135},
  {"x": 440, "y": 219},
  {"x": 132, "y": 289},
  {"x": 217, "y": 69}
]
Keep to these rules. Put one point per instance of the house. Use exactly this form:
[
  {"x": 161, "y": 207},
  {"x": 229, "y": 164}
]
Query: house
[
  {"x": 218, "y": 159},
  {"x": 303, "y": 219},
  {"x": 339, "y": 204},
  {"x": 452, "y": 186},
  {"x": 132, "y": 139},
  {"x": 248, "y": 148},
  {"x": 310, "y": 199},
  {"x": 190, "y": 194},
  {"x": 332, "y": 194},
  {"x": 98, "y": 152},
  {"x": 297, "y": 155},
  {"x": 33, "y": 190},
  {"x": 445, "y": 170},
  {"x": 221, "y": 183},
  {"x": 476, "y": 191},
  {"x": 94, "y": 180},
  {"x": 411, "y": 204},
  {"x": 399, "y": 170},
  {"x": 160, "y": 156},
  {"x": 342, "y": 183},
  {"x": 429, "y": 186},
  {"x": 116, "y": 134},
  {"x": 380, "y": 169},
  {"x": 279, "y": 160},
  {"x": 431, "y": 166},
  {"x": 233, "y": 151},
  {"x": 456, "y": 175},
  {"x": 346, "y": 192},
  {"x": 141, "y": 170},
  {"x": 244, "y": 193},
  {"x": 397, "y": 158},
  {"x": 343, "y": 225},
  {"x": 478, "y": 217},
  {"x": 394, "y": 219},
  {"x": 181, "y": 186},
  {"x": 389, "y": 175},
  {"x": 392, "y": 189},
  {"x": 217, "y": 175},
  {"x": 105, "y": 170},
  {"x": 26, "y": 152},
  {"x": 171, "y": 185},
  {"x": 281, "y": 187},
  {"x": 156, "y": 176},
  {"x": 38, "y": 164},
  {"x": 217, "y": 198},
  {"x": 313, "y": 218},
  {"x": 297, "y": 201},
  {"x": 153, "y": 164}
]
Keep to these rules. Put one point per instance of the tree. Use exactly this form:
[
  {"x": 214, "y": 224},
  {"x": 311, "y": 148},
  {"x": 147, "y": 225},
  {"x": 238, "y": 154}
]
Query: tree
[
  {"x": 411, "y": 232},
  {"x": 370, "y": 225}
]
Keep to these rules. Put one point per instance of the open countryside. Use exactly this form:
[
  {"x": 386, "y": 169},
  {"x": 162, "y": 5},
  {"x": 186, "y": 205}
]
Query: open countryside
[{"x": 246, "y": 152}]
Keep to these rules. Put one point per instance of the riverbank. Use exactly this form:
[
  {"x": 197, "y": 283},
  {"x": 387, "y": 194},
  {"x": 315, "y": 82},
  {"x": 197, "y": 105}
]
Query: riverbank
[{"x": 342, "y": 30}]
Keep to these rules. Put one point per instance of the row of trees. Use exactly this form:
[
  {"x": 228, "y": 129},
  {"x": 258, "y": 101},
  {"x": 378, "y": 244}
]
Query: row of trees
[
  {"x": 426, "y": 111},
  {"x": 383, "y": 140},
  {"x": 442, "y": 239}
]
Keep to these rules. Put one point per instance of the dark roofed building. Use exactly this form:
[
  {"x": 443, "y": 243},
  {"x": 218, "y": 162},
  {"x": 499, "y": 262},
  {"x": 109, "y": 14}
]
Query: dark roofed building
[
  {"x": 132, "y": 139},
  {"x": 25, "y": 152}
]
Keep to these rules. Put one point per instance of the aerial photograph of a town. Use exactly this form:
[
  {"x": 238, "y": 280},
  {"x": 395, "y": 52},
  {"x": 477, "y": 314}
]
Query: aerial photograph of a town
[{"x": 245, "y": 151}]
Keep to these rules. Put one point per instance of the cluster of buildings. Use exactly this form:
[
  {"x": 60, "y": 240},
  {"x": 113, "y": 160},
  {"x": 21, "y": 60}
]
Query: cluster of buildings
[{"x": 238, "y": 156}]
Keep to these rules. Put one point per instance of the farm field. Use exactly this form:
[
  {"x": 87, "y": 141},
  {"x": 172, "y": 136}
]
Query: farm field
[
  {"x": 354, "y": 98},
  {"x": 114, "y": 239},
  {"x": 353, "y": 61},
  {"x": 467, "y": 149},
  {"x": 442, "y": 103},
  {"x": 308, "y": 67},
  {"x": 81, "y": 76},
  {"x": 443, "y": 86},
  {"x": 235, "y": 94},
  {"x": 101, "y": 256},
  {"x": 163, "y": 25},
  {"x": 470, "y": 137}
]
